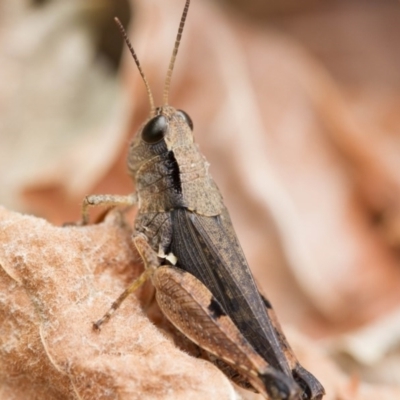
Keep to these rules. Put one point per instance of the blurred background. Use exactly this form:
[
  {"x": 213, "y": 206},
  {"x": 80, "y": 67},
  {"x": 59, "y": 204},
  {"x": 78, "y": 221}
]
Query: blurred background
[{"x": 295, "y": 105}]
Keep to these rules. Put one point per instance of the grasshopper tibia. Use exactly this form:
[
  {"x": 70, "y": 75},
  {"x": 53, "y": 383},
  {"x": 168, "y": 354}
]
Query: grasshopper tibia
[
  {"x": 116, "y": 304},
  {"x": 151, "y": 263}
]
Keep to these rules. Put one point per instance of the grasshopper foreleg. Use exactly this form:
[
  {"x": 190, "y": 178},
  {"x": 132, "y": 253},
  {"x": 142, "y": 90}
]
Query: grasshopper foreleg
[{"x": 108, "y": 200}]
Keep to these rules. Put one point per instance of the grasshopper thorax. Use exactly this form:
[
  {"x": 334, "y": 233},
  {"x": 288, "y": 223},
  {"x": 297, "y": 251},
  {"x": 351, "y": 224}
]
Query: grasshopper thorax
[{"x": 168, "y": 167}]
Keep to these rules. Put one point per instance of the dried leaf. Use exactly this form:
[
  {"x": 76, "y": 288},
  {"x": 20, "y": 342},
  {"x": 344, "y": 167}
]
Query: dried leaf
[{"x": 55, "y": 282}]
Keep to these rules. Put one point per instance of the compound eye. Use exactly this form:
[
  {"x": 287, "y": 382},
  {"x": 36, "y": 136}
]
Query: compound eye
[
  {"x": 155, "y": 129},
  {"x": 186, "y": 117}
]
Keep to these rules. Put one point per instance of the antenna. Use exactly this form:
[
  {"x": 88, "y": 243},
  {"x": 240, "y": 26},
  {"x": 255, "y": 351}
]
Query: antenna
[
  {"x": 125, "y": 36},
  {"x": 174, "y": 53}
]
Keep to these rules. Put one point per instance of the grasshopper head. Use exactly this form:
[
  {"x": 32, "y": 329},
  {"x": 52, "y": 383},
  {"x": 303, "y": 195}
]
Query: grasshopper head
[
  {"x": 164, "y": 131},
  {"x": 171, "y": 125},
  {"x": 167, "y": 127}
]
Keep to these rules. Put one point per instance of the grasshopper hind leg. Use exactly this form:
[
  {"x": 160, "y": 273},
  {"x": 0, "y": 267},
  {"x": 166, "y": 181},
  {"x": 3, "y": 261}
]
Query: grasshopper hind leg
[
  {"x": 231, "y": 373},
  {"x": 275, "y": 389},
  {"x": 194, "y": 311}
]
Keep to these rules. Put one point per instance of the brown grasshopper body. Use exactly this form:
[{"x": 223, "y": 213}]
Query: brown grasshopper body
[{"x": 192, "y": 255}]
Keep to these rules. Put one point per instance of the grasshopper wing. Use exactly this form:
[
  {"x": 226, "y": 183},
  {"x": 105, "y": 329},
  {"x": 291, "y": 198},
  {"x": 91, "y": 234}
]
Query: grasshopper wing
[{"x": 207, "y": 247}]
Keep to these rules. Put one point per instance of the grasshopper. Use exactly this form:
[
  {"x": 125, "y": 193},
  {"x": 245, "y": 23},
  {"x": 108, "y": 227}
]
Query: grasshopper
[{"x": 190, "y": 251}]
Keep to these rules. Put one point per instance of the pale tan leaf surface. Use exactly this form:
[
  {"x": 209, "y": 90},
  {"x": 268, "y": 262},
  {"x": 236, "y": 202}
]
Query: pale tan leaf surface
[
  {"x": 299, "y": 120},
  {"x": 55, "y": 283}
]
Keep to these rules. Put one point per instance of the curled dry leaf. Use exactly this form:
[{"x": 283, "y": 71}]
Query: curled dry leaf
[{"x": 54, "y": 283}]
